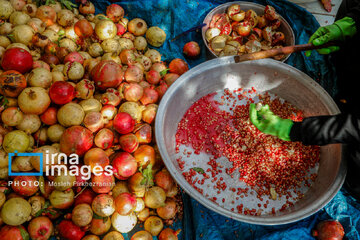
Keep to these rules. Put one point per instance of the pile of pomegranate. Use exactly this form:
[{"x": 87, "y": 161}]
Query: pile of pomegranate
[
  {"x": 237, "y": 32},
  {"x": 72, "y": 82}
]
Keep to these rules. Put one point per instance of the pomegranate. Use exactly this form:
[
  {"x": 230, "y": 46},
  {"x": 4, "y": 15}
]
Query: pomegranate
[
  {"x": 40, "y": 137},
  {"x": 49, "y": 116},
  {"x": 159, "y": 67},
  {"x": 74, "y": 57},
  {"x": 133, "y": 92},
  {"x": 155, "y": 197},
  {"x": 85, "y": 89},
  {"x": 46, "y": 14},
  {"x": 243, "y": 28},
  {"x": 83, "y": 28},
  {"x": 108, "y": 112},
  {"x": 127, "y": 56},
  {"x": 103, "y": 205},
  {"x": 70, "y": 114},
  {"x": 133, "y": 74},
  {"x": 12, "y": 83},
  {"x": 329, "y": 230},
  {"x": 104, "y": 138},
  {"x": 61, "y": 92},
  {"x": 76, "y": 139},
  {"x": 34, "y": 100},
  {"x": 87, "y": 7},
  {"x": 169, "y": 234},
  {"x": 124, "y": 123},
  {"x": 143, "y": 214},
  {"x": 124, "y": 165},
  {"x": 113, "y": 235},
  {"x": 41, "y": 64},
  {"x": 161, "y": 89},
  {"x": 164, "y": 180},
  {"x": 40, "y": 228},
  {"x": 100, "y": 226},
  {"x": 153, "y": 225},
  {"x": 191, "y": 50},
  {"x": 102, "y": 183},
  {"x": 68, "y": 230},
  {"x": 143, "y": 133},
  {"x": 107, "y": 74},
  {"x": 17, "y": 59},
  {"x": 169, "y": 210},
  {"x": 148, "y": 115},
  {"x": 96, "y": 157},
  {"x": 170, "y": 78},
  {"x": 150, "y": 96},
  {"x": 144, "y": 156},
  {"x": 178, "y": 66},
  {"x": 120, "y": 29},
  {"x": 153, "y": 77},
  {"x": 111, "y": 97},
  {"x": 86, "y": 196},
  {"x": 115, "y": 12},
  {"x": 129, "y": 142},
  {"x": 82, "y": 214},
  {"x": 15, "y": 211},
  {"x": 12, "y": 116},
  {"x": 13, "y": 232},
  {"x": 50, "y": 59},
  {"x": 93, "y": 121},
  {"x": 125, "y": 203},
  {"x": 141, "y": 235},
  {"x": 62, "y": 199}
]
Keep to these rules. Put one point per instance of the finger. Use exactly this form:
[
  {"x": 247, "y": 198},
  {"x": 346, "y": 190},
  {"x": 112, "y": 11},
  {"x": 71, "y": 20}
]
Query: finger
[
  {"x": 321, "y": 40},
  {"x": 317, "y": 34},
  {"x": 334, "y": 48},
  {"x": 253, "y": 115},
  {"x": 324, "y": 51},
  {"x": 264, "y": 110}
]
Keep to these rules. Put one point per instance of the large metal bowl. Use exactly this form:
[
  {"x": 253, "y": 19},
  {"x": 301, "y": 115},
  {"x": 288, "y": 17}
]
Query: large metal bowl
[
  {"x": 259, "y": 9},
  {"x": 265, "y": 75}
]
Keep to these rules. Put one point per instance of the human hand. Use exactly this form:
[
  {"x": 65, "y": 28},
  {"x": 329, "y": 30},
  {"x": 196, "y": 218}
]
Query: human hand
[
  {"x": 338, "y": 31},
  {"x": 267, "y": 122}
]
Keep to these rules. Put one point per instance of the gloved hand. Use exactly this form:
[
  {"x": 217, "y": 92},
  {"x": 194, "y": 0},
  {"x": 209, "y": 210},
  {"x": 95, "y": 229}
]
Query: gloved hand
[
  {"x": 267, "y": 122},
  {"x": 337, "y": 31}
]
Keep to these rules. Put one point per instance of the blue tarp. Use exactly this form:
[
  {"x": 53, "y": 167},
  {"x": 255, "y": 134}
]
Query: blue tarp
[{"x": 176, "y": 16}]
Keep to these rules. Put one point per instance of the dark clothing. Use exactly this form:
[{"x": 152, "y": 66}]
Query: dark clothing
[{"x": 345, "y": 127}]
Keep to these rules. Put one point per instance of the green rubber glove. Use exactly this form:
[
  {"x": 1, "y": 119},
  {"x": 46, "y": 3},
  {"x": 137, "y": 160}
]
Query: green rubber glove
[
  {"x": 338, "y": 31},
  {"x": 267, "y": 122}
]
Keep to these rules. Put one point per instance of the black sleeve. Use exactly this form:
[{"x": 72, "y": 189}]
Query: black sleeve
[
  {"x": 354, "y": 12},
  {"x": 322, "y": 130}
]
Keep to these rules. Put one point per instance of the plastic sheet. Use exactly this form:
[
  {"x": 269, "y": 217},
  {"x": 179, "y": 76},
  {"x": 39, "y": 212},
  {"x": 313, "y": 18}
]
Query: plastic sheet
[{"x": 176, "y": 16}]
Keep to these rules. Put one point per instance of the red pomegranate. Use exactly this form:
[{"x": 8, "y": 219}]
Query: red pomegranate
[
  {"x": 107, "y": 74},
  {"x": 329, "y": 230},
  {"x": 25, "y": 185},
  {"x": 74, "y": 57},
  {"x": 61, "y": 92},
  {"x": 191, "y": 50},
  {"x": 178, "y": 66},
  {"x": 76, "y": 139},
  {"x": 49, "y": 116},
  {"x": 124, "y": 123},
  {"x": 40, "y": 228},
  {"x": 17, "y": 59},
  {"x": 12, "y": 232},
  {"x": 86, "y": 196},
  {"x": 124, "y": 165},
  {"x": 68, "y": 230}
]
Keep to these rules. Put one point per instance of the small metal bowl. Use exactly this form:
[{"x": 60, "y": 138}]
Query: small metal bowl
[
  {"x": 259, "y": 9},
  {"x": 265, "y": 75}
]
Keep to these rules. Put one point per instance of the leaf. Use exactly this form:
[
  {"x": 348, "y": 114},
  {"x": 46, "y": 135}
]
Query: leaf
[
  {"x": 103, "y": 18},
  {"x": 97, "y": 216},
  {"x": 198, "y": 169},
  {"x": 24, "y": 233},
  {"x": 163, "y": 72},
  {"x": 148, "y": 176}
]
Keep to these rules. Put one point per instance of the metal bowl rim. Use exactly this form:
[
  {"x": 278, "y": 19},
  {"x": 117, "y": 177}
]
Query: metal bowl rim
[
  {"x": 273, "y": 220},
  {"x": 240, "y": 2}
]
